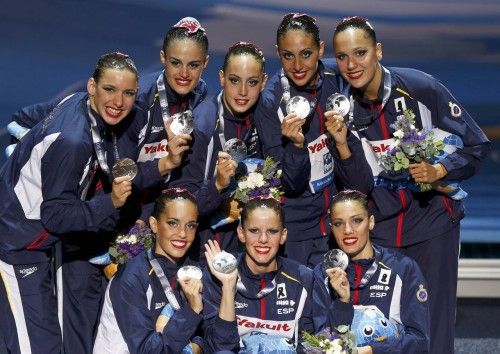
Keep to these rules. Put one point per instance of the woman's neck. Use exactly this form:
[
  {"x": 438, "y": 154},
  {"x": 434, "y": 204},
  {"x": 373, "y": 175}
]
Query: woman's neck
[
  {"x": 257, "y": 269},
  {"x": 373, "y": 88}
]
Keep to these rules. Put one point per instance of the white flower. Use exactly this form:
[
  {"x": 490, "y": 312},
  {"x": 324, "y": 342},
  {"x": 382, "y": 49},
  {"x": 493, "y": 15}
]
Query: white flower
[
  {"x": 243, "y": 185},
  {"x": 132, "y": 239},
  {"x": 398, "y": 134},
  {"x": 255, "y": 180}
]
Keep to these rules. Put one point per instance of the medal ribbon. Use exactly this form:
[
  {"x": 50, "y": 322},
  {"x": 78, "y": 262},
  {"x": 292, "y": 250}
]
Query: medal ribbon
[
  {"x": 160, "y": 84},
  {"x": 387, "y": 93},
  {"x": 369, "y": 273},
  {"x": 97, "y": 140},
  {"x": 169, "y": 293},
  {"x": 242, "y": 288}
]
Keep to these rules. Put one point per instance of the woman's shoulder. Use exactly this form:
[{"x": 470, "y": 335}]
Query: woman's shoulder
[
  {"x": 205, "y": 115},
  {"x": 134, "y": 273},
  {"x": 295, "y": 270},
  {"x": 412, "y": 78},
  {"x": 396, "y": 260}
]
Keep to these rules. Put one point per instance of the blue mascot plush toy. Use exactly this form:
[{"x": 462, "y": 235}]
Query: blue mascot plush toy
[{"x": 369, "y": 325}]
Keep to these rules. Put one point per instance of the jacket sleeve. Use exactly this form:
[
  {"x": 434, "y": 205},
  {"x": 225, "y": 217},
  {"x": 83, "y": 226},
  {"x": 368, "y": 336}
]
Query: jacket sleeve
[
  {"x": 354, "y": 172},
  {"x": 29, "y": 116},
  {"x": 328, "y": 311},
  {"x": 294, "y": 161},
  {"x": 220, "y": 334},
  {"x": 453, "y": 118},
  {"x": 137, "y": 322},
  {"x": 415, "y": 315},
  {"x": 62, "y": 210},
  {"x": 192, "y": 174},
  {"x": 306, "y": 323}
]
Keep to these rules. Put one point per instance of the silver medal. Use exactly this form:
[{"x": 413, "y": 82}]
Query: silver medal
[
  {"x": 224, "y": 262},
  {"x": 124, "y": 167},
  {"x": 189, "y": 271},
  {"x": 298, "y": 105},
  {"x": 236, "y": 148},
  {"x": 335, "y": 258},
  {"x": 182, "y": 123},
  {"x": 339, "y": 104}
]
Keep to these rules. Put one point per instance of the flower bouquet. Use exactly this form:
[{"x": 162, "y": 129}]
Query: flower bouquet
[
  {"x": 125, "y": 247},
  {"x": 263, "y": 181},
  {"x": 410, "y": 145},
  {"x": 261, "y": 178},
  {"x": 339, "y": 341}
]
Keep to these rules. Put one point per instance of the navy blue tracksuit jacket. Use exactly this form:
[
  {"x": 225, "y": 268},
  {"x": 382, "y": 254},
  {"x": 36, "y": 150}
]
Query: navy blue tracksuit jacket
[{"x": 397, "y": 288}]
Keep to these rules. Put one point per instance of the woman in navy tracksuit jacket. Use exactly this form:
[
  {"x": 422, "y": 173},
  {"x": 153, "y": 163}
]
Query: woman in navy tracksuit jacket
[
  {"x": 178, "y": 87},
  {"x": 266, "y": 294},
  {"x": 229, "y": 115},
  {"x": 422, "y": 225},
  {"x": 134, "y": 316},
  {"x": 58, "y": 185},
  {"x": 313, "y": 166},
  {"x": 376, "y": 277}
]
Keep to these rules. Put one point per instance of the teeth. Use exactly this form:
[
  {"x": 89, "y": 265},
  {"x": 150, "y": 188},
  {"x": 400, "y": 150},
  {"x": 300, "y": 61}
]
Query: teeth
[
  {"x": 113, "y": 111},
  {"x": 179, "y": 243}
]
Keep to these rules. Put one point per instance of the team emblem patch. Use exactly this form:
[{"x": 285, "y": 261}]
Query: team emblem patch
[
  {"x": 421, "y": 293},
  {"x": 455, "y": 110}
]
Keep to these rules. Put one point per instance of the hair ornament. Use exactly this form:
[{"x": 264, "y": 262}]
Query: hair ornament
[{"x": 190, "y": 24}]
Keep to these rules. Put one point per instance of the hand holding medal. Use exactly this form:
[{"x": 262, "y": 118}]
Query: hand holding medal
[
  {"x": 335, "y": 262},
  {"x": 337, "y": 111},
  {"x": 123, "y": 172},
  {"x": 236, "y": 148}
]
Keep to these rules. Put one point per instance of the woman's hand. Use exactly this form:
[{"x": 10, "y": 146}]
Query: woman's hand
[
  {"x": 338, "y": 130},
  {"x": 225, "y": 170},
  {"x": 291, "y": 127},
  {"x": 192, "y": 289},
  {"x": 339, "y": 283},
  {"x": 424, "y": 172},
  {"x": 121, "y": 189},
  {"x": 336, "y": 127},
  {"x": 226, "y": 308},
  {"x": 228, "y": 280},
  {"x": 177, "y": 145}
]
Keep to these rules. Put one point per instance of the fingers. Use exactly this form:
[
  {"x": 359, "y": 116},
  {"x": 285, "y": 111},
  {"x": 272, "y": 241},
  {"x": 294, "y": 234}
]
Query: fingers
[
  {"x": 338, "y": 277},
  {"x": 423, "y": 172},
  {"x": 191, "y": 285},
  {"x": 121, "y": 190},
  {"x": 334, "y": 122},
  {"x": 168, "y": 131}
]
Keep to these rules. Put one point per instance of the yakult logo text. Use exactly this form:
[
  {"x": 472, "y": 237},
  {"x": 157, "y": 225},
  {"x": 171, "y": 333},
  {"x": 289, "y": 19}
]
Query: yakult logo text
[
  {"x": 314, "y": 148},
  {"x": 382, "y": 148},
  {"x": 258, "y": 324},
  {"x": 154, "y": 149}
]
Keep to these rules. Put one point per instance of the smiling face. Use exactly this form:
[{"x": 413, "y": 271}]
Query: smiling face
[
  {"x": 175, "y": 228},
  {"x": 351, "y": 227},
  {"x": 242, "y": 80},
  {"x": 184, "y": 61},
  {"x": 262, "y": 233},
  {"x": 112, "y": 96},
  {"x": 358, "y": 60},
  {"x": 299, "y": 55}
]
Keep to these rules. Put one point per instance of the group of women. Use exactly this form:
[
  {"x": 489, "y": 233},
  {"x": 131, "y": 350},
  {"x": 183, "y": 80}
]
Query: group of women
[{"x": 61, "y": 213}]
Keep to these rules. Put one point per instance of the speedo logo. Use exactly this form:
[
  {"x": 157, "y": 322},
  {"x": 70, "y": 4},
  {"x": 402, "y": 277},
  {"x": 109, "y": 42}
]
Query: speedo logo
[
  {"x": 27, "y": 271},
  {"x": 156, "y": 129},
  {"x": 159, "y": 305}
]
